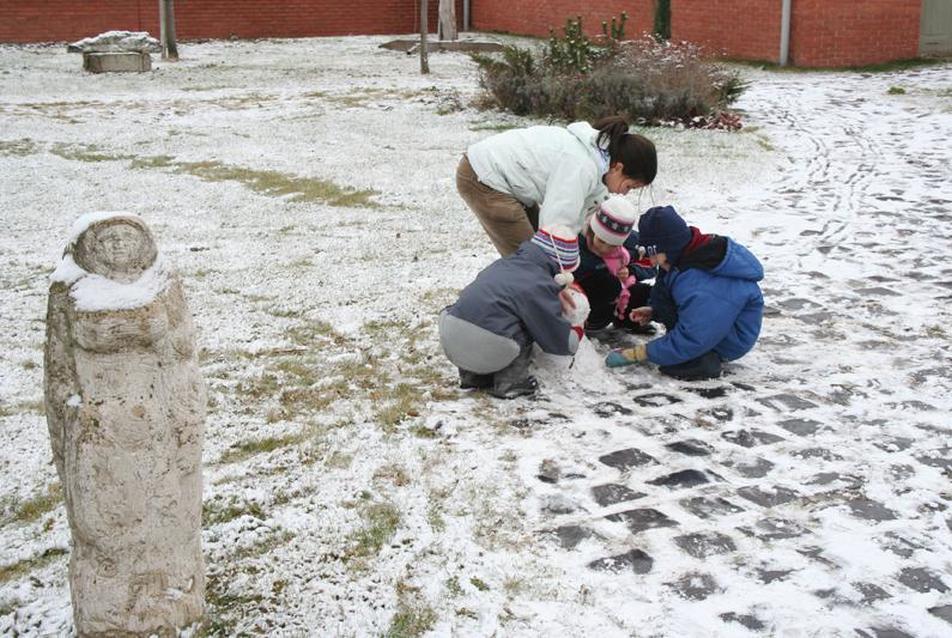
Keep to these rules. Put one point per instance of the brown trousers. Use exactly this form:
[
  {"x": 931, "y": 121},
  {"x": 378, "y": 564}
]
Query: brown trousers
[{"x": 504, "y": 218}]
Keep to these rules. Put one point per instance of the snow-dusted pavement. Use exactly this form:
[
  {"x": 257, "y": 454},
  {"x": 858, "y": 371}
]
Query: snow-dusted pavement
[{"x": 806, "y": 493}]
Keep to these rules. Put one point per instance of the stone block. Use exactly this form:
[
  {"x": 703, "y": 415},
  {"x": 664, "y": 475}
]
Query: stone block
[{"x": 117, "y": 62}]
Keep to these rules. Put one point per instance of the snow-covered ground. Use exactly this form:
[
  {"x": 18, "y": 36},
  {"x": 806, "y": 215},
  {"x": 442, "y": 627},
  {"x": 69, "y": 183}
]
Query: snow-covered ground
[{"x": 352, "y": 490}]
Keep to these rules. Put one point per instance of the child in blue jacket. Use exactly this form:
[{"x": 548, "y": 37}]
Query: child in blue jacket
[
  {"x": 706, "y": 295},
  {"x": 514, "y": 302}
]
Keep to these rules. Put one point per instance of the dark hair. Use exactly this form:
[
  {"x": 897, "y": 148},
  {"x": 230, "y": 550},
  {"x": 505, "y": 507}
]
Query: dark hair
[{"x": 635, "y": 152}]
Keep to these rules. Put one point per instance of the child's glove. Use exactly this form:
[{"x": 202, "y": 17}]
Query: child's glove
[{"x": 626, "y": 356}]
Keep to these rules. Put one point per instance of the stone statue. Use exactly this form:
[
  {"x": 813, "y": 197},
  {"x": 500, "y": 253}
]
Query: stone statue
[{"x": 125, "y": 406}]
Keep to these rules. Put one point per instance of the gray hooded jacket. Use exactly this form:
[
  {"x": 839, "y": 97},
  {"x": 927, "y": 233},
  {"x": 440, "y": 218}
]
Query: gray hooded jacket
[{"x": 514, "y": 298}]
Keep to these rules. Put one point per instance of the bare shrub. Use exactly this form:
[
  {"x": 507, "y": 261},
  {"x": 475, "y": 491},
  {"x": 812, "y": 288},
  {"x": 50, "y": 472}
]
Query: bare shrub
[{"x": 647, "y": 80}]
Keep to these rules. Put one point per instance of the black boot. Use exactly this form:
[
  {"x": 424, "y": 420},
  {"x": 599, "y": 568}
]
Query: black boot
[
  {"x": 524, "y": 387},
  {"x": 472, "y": 381},
  {"x": 707, "y": 366},
  {"x": 514, "y": 380}
]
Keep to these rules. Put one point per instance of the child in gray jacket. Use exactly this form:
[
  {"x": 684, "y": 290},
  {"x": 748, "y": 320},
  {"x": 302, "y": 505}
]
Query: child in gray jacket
[{"x": 514, "y": 302}]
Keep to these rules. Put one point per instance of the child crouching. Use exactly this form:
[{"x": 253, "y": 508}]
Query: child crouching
[
  {"x": 514, "y": 302},
  {"x": 607, "y": 274},
  {"x": 705, "y": 294}
]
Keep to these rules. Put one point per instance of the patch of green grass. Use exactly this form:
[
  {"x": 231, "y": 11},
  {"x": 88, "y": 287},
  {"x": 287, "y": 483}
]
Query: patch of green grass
[
  {"x": 478, "y": 584},
  {"x": 29, "y": 565},
  {"x": 300, "y": 189},
  {"x": 241, "y": 451},
  {"x": 380, "y": 524},
  {"x": 410, "y": 622},
  {"x": 936, "y": 330},
  {"x": 216, "y": 513},
  {"x": 339, "y": 460},
  {"x": 18, "y": 148},
  {"x": 9, "y": 607},
  {"x": 314, "y": 333},
  {"x": 226, "y": 602},
  {"x": 896, "y": 65},
  {"x": 36, "y": 406},
  {"x": 491, "y": 126},
  {"x": 896, "y": 90},
  {"x": 36, "y": 506},
  {"x": 762, "y": 140},
  {"x": 423, "y": 432},
  {"x": 303, "y": 372},
  {"x": 453, "y": 588},
  {"x": 264, "y": 386},
  {"x": 414, "y": 616},
  {"x": 301, "y": 264},
  {"x": 267, "y": 545},
  {"x": 274, "y": 183},
  {"x": 155, "y": 161},
  {"x": 439, "y": 297},
  {"x": 434, "y": 515},
  {"x": 394, "y": 473},
  {"x": 365, "y": 374},
  {"x": 306, "y": 400},
  {"x": 224, "y": 607},
  {"x": 884, "y": 67},
  {"x": 513, "y": 586},
  {"x": 396, "y": 404},
  {"x": 360, "y": 96},
  {"x": 87, "y": 153},
  {"x": 285, "y": 313}
]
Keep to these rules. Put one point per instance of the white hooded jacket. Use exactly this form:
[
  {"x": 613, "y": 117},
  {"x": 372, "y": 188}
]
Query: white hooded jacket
[{"x": 560, "y": 169}]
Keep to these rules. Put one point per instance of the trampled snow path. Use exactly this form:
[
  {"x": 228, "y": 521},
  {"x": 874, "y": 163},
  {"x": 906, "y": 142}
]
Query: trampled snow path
[{"x": 805, "y": 493}]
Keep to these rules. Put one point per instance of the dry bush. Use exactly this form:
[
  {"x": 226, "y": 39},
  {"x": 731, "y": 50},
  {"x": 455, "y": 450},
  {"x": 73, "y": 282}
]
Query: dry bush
[{"x": 647, "y": 80}]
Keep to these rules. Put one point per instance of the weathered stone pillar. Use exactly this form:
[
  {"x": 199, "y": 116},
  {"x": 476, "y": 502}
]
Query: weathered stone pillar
[{"x": 125, "y": 406}]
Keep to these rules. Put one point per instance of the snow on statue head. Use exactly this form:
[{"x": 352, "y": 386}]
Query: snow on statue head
[{"x": 119, "y": 248}]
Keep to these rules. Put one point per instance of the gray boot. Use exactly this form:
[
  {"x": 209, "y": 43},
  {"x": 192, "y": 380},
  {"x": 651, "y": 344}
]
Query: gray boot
[
  {"x": 470, "y": 380},
  {"x": 514, "y": 380}
]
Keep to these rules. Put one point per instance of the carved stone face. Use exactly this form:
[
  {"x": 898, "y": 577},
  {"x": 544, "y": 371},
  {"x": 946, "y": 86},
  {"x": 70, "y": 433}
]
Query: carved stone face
[{"x": 119, "y": 248}]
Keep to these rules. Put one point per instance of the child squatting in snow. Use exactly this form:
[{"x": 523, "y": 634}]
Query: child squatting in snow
[
  {"x": 706, "y": 295},
  {"x": 607, "y": 274},
  {"x": 514, "y": 302}
]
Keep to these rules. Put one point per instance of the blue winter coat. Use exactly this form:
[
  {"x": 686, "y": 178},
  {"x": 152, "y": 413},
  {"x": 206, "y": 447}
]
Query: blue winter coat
[
  {"x": 718, "y": 309},
  {"x": 517, "y": 297}
]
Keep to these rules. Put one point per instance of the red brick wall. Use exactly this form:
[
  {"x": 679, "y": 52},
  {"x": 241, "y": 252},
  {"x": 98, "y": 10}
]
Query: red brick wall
[
  {"x": 854, "y": 32},
  {"x": 745, "y": 29},
  {"x": 822, "y": 33},
  {"x": 66, "y": 20},
  {"x": 535, "y": 17}
]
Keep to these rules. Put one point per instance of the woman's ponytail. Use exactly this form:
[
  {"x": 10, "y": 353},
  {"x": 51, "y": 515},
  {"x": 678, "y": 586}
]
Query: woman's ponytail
[{"x": 636, "y": 152}]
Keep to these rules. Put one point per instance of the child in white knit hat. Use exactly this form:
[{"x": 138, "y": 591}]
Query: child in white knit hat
[
  {"x": 515, "y": 302},
  {"x": 608, "y": 274}
]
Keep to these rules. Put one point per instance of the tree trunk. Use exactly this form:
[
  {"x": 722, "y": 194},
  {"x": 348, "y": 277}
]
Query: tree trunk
[
  {"x": 167, "y": 30},
  {"x": 424, "y": 27},
  {"x": 447, "y": 23}
]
